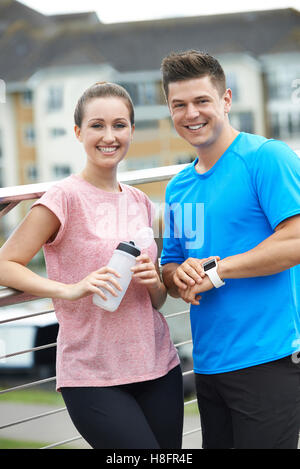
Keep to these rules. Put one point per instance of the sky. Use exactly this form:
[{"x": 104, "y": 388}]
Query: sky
[{"x": 135, "y": 10}]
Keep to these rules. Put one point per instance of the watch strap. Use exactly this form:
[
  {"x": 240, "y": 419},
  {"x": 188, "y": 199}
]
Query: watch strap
[{"x": 214, "y": 278}]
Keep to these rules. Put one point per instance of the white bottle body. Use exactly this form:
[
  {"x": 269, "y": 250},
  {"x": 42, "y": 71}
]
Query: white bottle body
[{"x": 121, "y": 262}]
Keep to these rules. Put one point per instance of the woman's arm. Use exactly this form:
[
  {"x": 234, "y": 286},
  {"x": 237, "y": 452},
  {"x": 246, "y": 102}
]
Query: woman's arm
[
  {"x": 39, "y": 226},
  {"x": 148, "y": 274}
]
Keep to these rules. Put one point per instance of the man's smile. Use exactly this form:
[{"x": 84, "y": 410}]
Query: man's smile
[{"x": 196, "y": 126}]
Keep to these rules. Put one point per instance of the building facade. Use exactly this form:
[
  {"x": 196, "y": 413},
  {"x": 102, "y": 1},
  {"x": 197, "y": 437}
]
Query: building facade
[{"x": 47, "y": 62}]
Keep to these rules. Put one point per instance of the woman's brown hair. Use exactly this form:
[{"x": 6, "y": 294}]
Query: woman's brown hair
[{"x": 102, "y": 90}]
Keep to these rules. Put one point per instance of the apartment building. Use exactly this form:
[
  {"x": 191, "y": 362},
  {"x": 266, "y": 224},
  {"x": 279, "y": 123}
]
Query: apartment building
[
  {"x": 47, "y": 61},
  {"x": 283, "y": 100}
]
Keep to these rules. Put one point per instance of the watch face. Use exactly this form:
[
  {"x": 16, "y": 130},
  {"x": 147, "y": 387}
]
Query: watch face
[{"x": 209, "y": 265}]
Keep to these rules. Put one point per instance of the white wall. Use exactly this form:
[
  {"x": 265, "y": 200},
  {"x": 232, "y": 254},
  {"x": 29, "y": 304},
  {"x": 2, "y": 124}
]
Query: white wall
[
  {"x": 9, "y": 158},
  {"x": 284, "y": 70},
  {"x": 8, "y": 132},
  {"x": 250, "y": 87}
]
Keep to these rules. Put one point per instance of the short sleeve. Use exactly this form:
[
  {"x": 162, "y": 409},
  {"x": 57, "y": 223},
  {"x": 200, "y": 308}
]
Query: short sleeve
[
  {"x": 277, "y": 181},
  {"x": 172, "y": 250},
  {"x": 55, "y": 200}
]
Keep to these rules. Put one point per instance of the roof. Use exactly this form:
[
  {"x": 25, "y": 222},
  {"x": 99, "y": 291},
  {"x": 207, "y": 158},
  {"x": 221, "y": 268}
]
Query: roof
[
  {"x": 30, "y": 41},
  {"x": 142, "y": 45}
]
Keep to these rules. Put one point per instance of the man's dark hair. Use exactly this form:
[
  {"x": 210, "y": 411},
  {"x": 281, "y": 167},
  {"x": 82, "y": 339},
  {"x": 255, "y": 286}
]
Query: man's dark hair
[{"x": 179, "y": 66}]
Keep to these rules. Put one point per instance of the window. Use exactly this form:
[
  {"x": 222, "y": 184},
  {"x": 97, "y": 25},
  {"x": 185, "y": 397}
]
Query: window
[
  {"x": 231, "y": 80},
  {"x": 280, "y": 81},
  {"x": 148, "y": 93},
  {"x": 27, "y": 97},
  {"x": 146, "y": 124},
  {"x": 285, "y": 125},
  {"x": 32, "y": 173},
  {"x": 55, "y": 98},
  {"x": 243, "y": 121},
  {"x": 133, "y": 164},
  {"x": 61, "y": 171},
  {"x": 29, "y": 135},
  {"x": 274, "y": 125},
  {"x": 57, "y": 132}
]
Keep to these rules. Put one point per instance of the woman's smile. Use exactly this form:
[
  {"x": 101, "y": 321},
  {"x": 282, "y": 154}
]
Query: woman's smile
[{"x": 108, "y": 150}]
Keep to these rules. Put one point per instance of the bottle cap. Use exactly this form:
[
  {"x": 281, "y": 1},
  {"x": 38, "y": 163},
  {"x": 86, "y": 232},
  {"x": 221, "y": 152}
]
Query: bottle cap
[{"x": 130, "y": 248}]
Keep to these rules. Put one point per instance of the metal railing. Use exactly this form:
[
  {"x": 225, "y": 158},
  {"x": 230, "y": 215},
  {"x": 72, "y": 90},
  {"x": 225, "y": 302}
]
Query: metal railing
[{"x": 10, "y": 197}]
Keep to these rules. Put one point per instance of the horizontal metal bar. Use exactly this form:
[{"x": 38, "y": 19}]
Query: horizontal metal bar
[
  {"x": 35, "y": 349},
  {"x": 176, "y": 314},
  {"x": 10, "y": 296},
  {"x": 28, "y": 385},
  {"x": 193, "y": 401},
  {"x": 11, "y": 196},
  {"x": 7, "y": 207},
  {"x": 35, "y": 417},
  {"x": 61, "y": 443},
  {"x": 76, "y": 438},
  {"x": 53, "y": 378},
  {"x": 27, "y": 316},
  {"x": 183, "y": 343},
  {"x": 186, "y": 373},
  {"x": 192, "y": 431}
]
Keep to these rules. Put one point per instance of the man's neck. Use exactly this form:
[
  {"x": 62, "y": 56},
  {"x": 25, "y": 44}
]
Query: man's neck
[{"x": 210, "y": 154}]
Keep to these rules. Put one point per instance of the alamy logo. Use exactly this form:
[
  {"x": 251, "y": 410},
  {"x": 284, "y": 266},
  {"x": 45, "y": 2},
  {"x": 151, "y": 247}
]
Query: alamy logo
[
  {"x": 182, "y": 221},
  {"x": 2, "y": 92}
]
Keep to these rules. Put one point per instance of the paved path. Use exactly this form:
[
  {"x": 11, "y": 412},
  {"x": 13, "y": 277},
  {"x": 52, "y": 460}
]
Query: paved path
[{"x": 58, "y": 427}]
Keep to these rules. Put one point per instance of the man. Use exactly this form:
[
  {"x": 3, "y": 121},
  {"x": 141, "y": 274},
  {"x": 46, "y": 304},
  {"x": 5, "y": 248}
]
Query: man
[{"x": 231, "y": 250}]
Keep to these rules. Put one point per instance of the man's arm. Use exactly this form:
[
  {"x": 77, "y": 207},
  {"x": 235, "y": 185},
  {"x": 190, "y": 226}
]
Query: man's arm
[
  {"x": 278, "y": 252},
  {"x": 168, "y": 272},
  {"x": 178, "y": 277}
]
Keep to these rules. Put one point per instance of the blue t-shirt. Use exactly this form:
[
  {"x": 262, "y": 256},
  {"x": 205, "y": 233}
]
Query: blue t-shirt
[{"x": 229, "y": 210}]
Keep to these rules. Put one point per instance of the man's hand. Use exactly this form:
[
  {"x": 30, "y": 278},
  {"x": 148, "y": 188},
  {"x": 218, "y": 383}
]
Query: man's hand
[
  {"x": 190, "y": 273},
  {"x": 192, "y": 294}
]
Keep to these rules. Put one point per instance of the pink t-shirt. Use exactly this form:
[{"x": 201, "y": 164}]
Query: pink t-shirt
[{"x": 96, "y": 347}]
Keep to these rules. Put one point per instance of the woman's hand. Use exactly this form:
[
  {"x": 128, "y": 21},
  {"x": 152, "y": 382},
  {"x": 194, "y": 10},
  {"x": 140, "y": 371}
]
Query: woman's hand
[
  {"x": 102, "y": 278},
  {"x": 145, "y": 272}
]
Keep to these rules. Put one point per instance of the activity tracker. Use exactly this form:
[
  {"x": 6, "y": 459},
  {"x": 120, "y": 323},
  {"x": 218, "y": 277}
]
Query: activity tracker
[{"x": 210, "y": 269}]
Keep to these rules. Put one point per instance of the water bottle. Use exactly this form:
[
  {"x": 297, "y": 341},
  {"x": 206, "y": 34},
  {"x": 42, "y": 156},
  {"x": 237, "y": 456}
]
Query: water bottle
[{"x": 123, "y": 258}]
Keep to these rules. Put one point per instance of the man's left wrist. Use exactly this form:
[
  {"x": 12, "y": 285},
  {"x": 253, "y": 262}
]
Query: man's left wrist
[
  {"x": 210, "y": 268},
  {"x": 221, "y": 269}
]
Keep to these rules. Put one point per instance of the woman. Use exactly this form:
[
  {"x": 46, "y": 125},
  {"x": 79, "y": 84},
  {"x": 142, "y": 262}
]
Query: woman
[{"x": 118, "y": 372}]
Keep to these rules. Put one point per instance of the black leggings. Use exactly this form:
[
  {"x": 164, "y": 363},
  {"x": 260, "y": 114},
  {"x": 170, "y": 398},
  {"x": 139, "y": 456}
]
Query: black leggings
[{"x": 146, "y": 415}]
